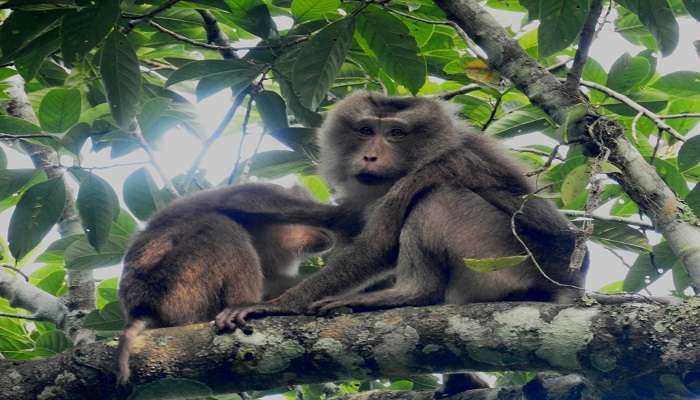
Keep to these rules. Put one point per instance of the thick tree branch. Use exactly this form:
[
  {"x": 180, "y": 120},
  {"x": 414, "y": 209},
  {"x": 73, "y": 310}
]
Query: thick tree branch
[
  {"x": 22, "y": 294},
  {"x": 653, "y": 349},
  {"x": 671, "y": 217},
  {"x": 216, "y": 36},
  {"x": 584, "y": 45}
]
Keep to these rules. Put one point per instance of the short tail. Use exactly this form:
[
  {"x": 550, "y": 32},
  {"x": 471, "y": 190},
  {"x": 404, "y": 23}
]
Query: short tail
[{"x": 131, "y": 331}]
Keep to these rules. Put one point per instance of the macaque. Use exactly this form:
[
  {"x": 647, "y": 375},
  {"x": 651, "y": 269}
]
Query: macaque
[
  {"x": 460, "y": 196},
  {"x": 201, "y": 255}
]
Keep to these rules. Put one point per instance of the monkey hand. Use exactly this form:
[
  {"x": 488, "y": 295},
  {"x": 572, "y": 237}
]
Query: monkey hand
[
  {"x": 232, "y": 317},
  {"x": 330, "y": 303}
]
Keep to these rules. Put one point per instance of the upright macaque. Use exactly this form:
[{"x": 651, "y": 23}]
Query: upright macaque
[
  {"x": 201, "y": 255},
  {"x": 377, "y": 149}
]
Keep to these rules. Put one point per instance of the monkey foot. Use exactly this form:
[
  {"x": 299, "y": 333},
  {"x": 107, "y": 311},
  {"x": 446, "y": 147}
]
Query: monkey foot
[
  {"x": 232, "y": 317},
  {"x": 328, "y": 304}
]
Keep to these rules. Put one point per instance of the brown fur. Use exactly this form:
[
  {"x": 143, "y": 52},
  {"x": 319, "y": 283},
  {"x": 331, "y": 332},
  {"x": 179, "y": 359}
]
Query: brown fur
[
  {"x": 432, "y": 196},
  {"x": 202, "y": 255}
]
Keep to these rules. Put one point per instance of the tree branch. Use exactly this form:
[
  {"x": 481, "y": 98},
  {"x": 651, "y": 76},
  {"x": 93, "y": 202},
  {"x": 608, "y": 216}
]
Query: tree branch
[
  {"x": 185, "y": 39},
  {"x": 651, "y": 348},
  {"x": 216, "y": 36},
  {"x": 22, "y": 294},
  {"x": 584, "y": 45},
  {"x": 670, "y": 216},
  {"x": 608, "y": 218}
]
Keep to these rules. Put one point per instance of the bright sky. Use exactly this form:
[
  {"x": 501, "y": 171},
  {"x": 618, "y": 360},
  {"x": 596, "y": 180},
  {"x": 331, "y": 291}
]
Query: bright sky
[{"x": 177, "y": 150}]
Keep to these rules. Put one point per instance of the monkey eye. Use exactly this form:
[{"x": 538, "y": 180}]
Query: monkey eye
[
  {"x": 397, "y": 132},
  {"x": 366, "y": 131}
]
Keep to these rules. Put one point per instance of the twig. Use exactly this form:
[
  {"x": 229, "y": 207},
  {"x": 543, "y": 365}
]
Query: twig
[
  {"x": 605, "y": 19},
  {"x": 158, "y": 65},
  {"x": 454, "y": 93},
  {"x": 31, "y": 317},
  {"x": 185, "y": 39},
  {"x": 635, "y": 121},
  {"x": 16, "y": 137},
  {"x": 679, "y": 116},
  {"x": 492, "y": 116},
  {"x": 635, "y": 106},
  {"x": 608, "y": 218},
  {"x": 246, "y": 167},
  {"x": 214, "y": 137},
  {"x": 17, "y": 270},
  {"x": 216, "y": 36},
  {"x": 553, "y": 155},
  {"x": 244, "y": 133},
  {"x": 538, "y": 152},
  {"x": 118, "y": 165},
  {"x": 584, "y": 45},
  {"x": 626, "y": 264},
  {"x": 135, "y": 19}
]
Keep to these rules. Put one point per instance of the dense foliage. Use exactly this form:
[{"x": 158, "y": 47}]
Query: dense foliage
[{"x": 111, "y": 74}]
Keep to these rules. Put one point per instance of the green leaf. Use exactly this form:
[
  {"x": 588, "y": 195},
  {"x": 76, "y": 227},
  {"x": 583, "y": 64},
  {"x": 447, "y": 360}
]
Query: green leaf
[
  {"x": 12, "y": 180},
  {"x": 673, "y": 178},
  {"x": 613, "y": 288},
  {"x": 649, "y": 267},
  {"x": 124, "y": 226},
  {"x": 253, "y": 16},
  {"x": 107, "y": 292},
  {"x": 689, "y": 154},
  {"x": 172, "y": 389},
  {"x": 693, "y": 200},
  {"x": 75, "y": 138},
  {"x": 309, "y": 10},
  {"x": 652, "y": 99},
  {"x": 317, "y": 186},
  {"x": 561, "y": 22},
  {"x": 493, "y": 264},
  {"x": 594, "y": 72},
  {"x": 121, "y": 76},
  {"x": 627, "y": 73},
  {"x": 55, "y": 282},
  {"x": 80, "y": 255},
  {"x": 59, "y": 109},
  {"x": 140, "y": 194},
  {"x": 519, "y": 122},
  {"x": 277, "y": 163},
  {"x": 97, "y": 205},
  {"x": 56, "y": 250},
  {"x": 31, "y": 58},
  {"x": 620, "y": 236},
  {"x": 17, "y": 126},
  {"x": 272, "y": 109},
  {"x": 109, "y": 318},
  {"x": 53, "y": 342},
  {"x": 82, "y": 29},
  {"x": 40, "y": 207},
  {"x": 216, "y": 75},
  {"x": 658, "y": 18},
  {"x": 693, "y": 7},
  {"x": 3, "y": 159},
  {"x": 319, "y": 61},
  {"x": 681, "y": 279},
  {"x": 679, "y": 83},
  {"x": 682, "y": 106},
  {"x": 22, "y": 27},
  {"x": 387, "y": 38},
  {"x": 575, "y": 184}
]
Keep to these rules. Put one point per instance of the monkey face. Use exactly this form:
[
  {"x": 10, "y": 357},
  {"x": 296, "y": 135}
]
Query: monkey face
[{"x": 371, "y": 140}]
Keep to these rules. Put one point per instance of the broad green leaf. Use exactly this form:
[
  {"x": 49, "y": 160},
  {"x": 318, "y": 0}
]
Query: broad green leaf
[
  {"x": 31, "y": 58},
  {"x": 97, "y": 205},
  {"x": 654, "y": 100},
  {"x": 253, "y": 16},
  {"x": 318, "y": 188},
  {"x": 613, "y": 288},
  {"x": 679, "y": 83},
  {"x": 56, "y": 250},
  {"x": 649, "y": 267},
  {"x": 657, "y": 17},
  {"x": 22, "y": 27},
  {"x": 681, "y": 279},
  {"x": 673, "y": 178},
  {"x": 277, "y": 163},
  {"x": 55, "y": 282},
  {"x": 53, "y": 342},
  {"x": 620, "y": 236},
  {"x": 493, "y": 264},
  {"x": 519, "y": 122},
  {"x": 387, "y": 38},
  {"x": 80, "y": 255},
  {"x": 172, "y": 389},
  {"x": 561, "y": 22},
  {"x": 624, "y": 207},
  {"x": 107, "y": 292},
  {"x": 12, "y": 180},
  {"x": 109, "y": 318},
  {"x": 575, "y": 183},
  {"x": 216, "y": 75},
  {"x": 594, "y": 72},
  {"x": 17, "y": 126},
  {"x": 627, "y": 73},
  {"x": 297, "y": 139},
  {"x": 140, "y": 194},
  {"x": 507, "y": 5},
  {"x": 59, "y": 109},
  {"x": 40, "y": 207},
  {"x": 319, "y": 61},
  {"x": 272, "y": 110},
  {"x": 693, "y": 200},
  {"x": 82, "y": 29},
  {"x": 682, "y": 106},
  {"x": 693, "y": 7},
  {"x": 121, "y": 76},
  {"x": 309, "y": 10},
  {"x": 689, "y": 154},
  {"x": 76, "y": 137},
  {"x": 124, "y": 226}
]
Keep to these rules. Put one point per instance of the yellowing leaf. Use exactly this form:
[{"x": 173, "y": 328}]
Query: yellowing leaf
[{"x": 493, "y": 264}]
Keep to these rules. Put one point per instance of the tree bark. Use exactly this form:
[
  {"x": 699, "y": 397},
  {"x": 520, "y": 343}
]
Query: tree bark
[
  {"x": 629, "y": 351},
  {"x": 674, "y": 220}
]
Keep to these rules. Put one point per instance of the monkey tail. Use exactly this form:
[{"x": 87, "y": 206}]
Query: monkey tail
[{"x": 131, "y": 331}]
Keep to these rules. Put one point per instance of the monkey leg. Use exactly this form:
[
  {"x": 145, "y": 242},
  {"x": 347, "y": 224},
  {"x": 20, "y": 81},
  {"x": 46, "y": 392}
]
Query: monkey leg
[{"x": 457, "y": 383}]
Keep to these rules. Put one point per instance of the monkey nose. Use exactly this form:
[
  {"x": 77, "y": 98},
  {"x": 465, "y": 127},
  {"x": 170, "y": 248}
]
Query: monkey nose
[{"x": 370, "y": 158}]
